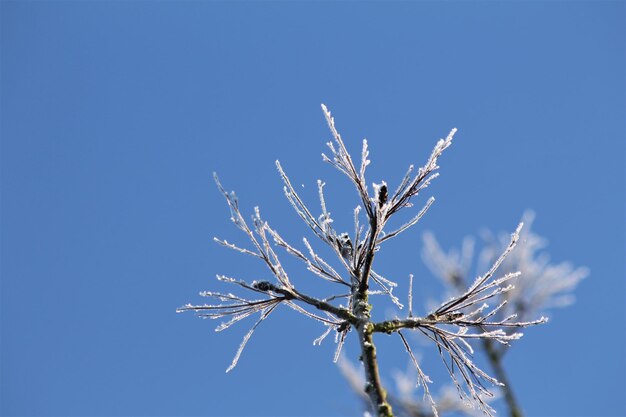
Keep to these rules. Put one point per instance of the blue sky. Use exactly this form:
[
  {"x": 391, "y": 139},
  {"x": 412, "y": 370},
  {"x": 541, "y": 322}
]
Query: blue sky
[{"x": 115, "y": 114}]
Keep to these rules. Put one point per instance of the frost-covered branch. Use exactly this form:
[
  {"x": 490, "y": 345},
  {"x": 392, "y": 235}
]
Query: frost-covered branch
[{"x": 452, "y": 328}]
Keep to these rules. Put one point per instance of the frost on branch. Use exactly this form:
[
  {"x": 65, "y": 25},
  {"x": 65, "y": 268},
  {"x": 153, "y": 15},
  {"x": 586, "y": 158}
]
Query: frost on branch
[{"x": 475, "y": 311}]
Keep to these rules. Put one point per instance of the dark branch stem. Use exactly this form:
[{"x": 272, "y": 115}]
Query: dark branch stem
[
  {"x": 391, "y": 326},
  {"x": 495, "y": 360},
  {"x": 361, "y": 309},
  {"x": 373, "y": 386},
  {"x": 293, "y": 294},
  {"x": 342, "y": 313},
  {"x": 369, "y": 257}
]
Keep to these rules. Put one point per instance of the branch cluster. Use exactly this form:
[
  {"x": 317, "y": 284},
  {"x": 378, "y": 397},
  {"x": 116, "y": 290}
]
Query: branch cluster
[{"x": 451, "y": 327}]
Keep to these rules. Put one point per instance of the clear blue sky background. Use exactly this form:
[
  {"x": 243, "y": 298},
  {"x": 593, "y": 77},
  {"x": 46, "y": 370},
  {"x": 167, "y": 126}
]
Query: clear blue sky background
[{"x": 115, "y": 115}]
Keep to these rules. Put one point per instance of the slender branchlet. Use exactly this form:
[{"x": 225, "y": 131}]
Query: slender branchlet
[{"x": 452, "y": 327}]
